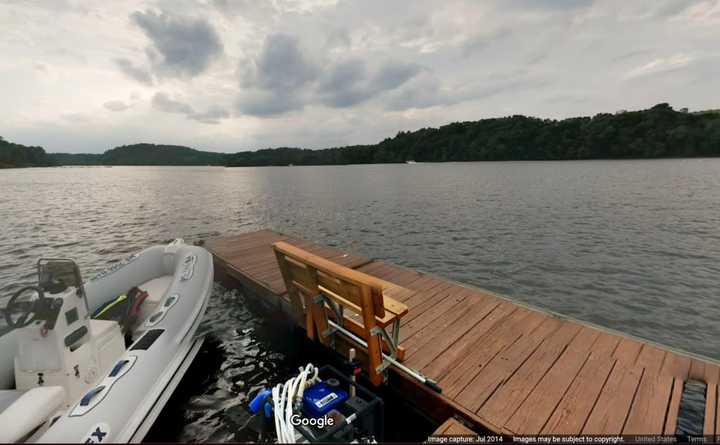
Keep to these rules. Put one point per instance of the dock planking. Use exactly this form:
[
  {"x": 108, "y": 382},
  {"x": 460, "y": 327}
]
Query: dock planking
[{"x": 502, "y": 366}]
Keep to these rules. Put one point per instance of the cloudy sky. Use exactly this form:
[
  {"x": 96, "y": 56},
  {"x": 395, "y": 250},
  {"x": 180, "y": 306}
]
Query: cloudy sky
[{"x": 232, "y": 75}]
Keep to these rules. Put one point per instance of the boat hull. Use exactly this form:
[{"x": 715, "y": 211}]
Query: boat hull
[{"x": 165, "y": 345}]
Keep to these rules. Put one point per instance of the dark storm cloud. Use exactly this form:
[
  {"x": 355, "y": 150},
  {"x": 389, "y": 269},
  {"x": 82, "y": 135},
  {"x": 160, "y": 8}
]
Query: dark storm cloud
[
  {"x": 135, "y": 72},
  {"x": 282, "y": 65},
  {"x": 276, "y": 77},
  {"x": 344, "y": 85},
  {"x": 163, "y": 102},
  {"x": 181, "y": 46},
  {"x": 349, "y": 83},
  {"x": 282, "y": 71}
]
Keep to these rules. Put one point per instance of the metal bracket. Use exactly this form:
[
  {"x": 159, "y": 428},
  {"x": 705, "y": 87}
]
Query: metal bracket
[
  {"x": 339, "y": 315},
  {"x": 392, "y": 342}
]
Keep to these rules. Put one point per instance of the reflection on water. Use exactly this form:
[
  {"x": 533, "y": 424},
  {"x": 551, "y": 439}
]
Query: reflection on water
[
  {"x": 632, "y": 245},
  {"x": 243, "y": 352}
]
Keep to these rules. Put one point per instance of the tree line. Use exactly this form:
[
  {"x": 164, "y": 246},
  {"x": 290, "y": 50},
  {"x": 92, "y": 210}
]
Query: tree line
[{"x": 658, "y": 132}]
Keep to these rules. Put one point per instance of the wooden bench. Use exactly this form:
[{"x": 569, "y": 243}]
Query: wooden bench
[{"x": 359, "y": 303}]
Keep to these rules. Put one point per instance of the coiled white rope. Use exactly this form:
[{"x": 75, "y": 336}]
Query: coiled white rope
[{"x": 284, "y": 397}]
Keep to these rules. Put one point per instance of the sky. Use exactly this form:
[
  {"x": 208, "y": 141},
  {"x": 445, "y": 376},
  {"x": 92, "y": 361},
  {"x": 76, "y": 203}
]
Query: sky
[{"x": 236, "y": 75}]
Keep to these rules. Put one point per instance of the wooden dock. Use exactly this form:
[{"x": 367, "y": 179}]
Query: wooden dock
[{"x": 502, "y": 366}]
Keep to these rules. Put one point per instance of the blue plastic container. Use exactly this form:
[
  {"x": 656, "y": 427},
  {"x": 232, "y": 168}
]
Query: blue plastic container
[{"x": 320, "y": 398}]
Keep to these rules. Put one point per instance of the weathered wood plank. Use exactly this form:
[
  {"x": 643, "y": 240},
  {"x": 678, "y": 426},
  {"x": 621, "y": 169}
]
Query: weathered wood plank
[
  {"x": 506, "y": 400},
  {"x": 650, "y": 358},
  {"x": 449, "y": 319},
  {"x": 534, "y": 412},
  {"x": 452, "y": 427},
  {"x": 501, "y": 367},
  {"x": 421, "y": 301},
  {"x": 711, "y": 397},
  {"x": 647, "y": 414},
  {"x": 476, "y": 340},
  {"x": 464, "y": 328},
  {"x": 573, "y": 410},
  {"x": 612, "y": 407},
  {"x": 671, "y": 420},
  {"x": 712, "y": 373},
  {"x": 461, "y": 374},
  {"x": 627, "y": 351},
  {"x": 415, "y": 324},
  {"x": 677, "y": 366},
  {"x": 432, "y": 340},
  {"x": 697, "y": 370}
]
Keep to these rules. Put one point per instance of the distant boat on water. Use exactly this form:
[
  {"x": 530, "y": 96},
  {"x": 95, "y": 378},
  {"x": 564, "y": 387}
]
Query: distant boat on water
[{"x": 410, "y": 161}]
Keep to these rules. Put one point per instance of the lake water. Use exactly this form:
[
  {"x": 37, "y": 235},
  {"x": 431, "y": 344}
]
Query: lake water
[{"x": 630, "y": 245}]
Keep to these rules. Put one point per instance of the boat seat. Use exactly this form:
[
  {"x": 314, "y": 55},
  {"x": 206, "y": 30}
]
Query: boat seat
[
  {"x": 108, "y": 340},
  {"x": 101, "y": 328},
  {"x": 28, "y": 410},
  {"x": 156, "y": 289}
]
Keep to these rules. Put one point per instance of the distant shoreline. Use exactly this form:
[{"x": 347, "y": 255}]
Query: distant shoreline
[
  {"x": 678, "y": 158},
  {"x": 656, "y": 133}
]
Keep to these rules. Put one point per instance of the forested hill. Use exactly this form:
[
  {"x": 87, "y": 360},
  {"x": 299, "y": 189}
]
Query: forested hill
[
  {"x": 654, "y": 133},
  {"x": 151, "y": 154},
  {"x": 144, "y": 154},
  {"x": 17, "y": 155}
]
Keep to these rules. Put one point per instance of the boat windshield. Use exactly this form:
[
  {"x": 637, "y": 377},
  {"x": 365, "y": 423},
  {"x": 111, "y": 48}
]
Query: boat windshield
[{"x": 57, "y": 275}]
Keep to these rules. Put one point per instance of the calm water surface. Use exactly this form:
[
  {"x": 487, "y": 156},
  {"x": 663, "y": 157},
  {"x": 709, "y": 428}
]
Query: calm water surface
[{"x": 631, "y": 245}]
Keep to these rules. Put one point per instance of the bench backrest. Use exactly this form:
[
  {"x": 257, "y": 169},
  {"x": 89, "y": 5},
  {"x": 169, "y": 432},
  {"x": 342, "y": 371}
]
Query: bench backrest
[{"x": 310, "y": 274}]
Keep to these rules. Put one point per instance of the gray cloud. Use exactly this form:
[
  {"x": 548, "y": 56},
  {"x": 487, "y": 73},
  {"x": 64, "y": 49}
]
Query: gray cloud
[
  {"x": 549, "y": 4},
  {"x": 275, "y": 77},
  {"x": 282, "y": 70},
  {"x": 181, "y": 46},
  {"x": 672, "y": 7},
  {"x": 133, "y": 71},
  {"x": 338, "y": 38},
  {"x": 482, "y": 40},
  {"x": 344, "y": 85},
  {"x": 213, "y": 115},
  {"x": 427, "y": 91},
  {"x": 282, "y": 65},
  {"x": 349, "y": 82},
  {"x": 266, "y": 104},
  {"x": 252, "y": 9},
  {"x": 116, "y": 105},
  {"x": 162, "y": 102},
  {"x": 394, "y": 74}
]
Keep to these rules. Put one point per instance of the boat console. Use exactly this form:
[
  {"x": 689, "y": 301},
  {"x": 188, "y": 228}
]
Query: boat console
[{"x": 58, "y": 343}]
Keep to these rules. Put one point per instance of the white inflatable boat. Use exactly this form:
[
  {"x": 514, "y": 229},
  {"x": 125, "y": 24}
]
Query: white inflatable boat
[{"x": 66, "y": 376}]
